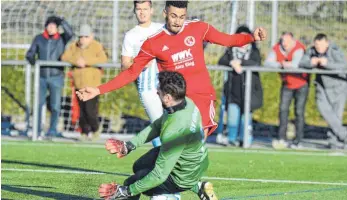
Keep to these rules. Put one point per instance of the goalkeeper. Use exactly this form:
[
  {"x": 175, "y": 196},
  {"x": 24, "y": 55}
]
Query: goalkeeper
[{"x": 179, "y": 163}]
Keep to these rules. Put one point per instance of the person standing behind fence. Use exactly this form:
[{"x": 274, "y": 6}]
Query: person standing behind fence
[
  {"x": 234, "y": 88},
  {"x": 331, "y": 89},
  {"x": 50, "y": 46},
  {"x": 83, "y": 54},
  {"x": 286, "y": 54}
]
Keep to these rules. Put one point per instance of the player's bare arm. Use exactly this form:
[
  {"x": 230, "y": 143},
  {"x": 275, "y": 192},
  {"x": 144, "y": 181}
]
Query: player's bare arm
[
  {"x": 126, "y": 62},
  {"x": 124, "y": 78},
  {"x": 216, "y": 37}
]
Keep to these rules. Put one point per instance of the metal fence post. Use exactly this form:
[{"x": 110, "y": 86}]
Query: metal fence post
[
  {"x": 247, "y": 109},
  {"x": 27, "y": 96},
  {"x": 234, "y": 9},
  {"x": 36, "y": 102},
  {"x": 274, "y": 21},
  {"x": 251, "y": 13},
  {"x": 115, "y": 31}
]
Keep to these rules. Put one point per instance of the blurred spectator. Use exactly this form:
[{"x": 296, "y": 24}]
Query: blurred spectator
[
  {"x": 83, "y": 54},
  {"x": 331, "y": 89},
  {"x": 287, "y": 54},
  {"x": 234, "y": 88},
  {"x": 50, "y": 46}
]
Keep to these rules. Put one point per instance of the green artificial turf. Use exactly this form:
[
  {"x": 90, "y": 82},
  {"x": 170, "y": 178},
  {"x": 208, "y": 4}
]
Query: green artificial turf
[{"x": 67, "y": 171}]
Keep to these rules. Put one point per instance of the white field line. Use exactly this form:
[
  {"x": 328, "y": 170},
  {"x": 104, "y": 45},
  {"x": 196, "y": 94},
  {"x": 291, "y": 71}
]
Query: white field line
[
  {"x": 273, "y": 152},
  {"x": 210, "y": 149},
  {"x": 52, "y": 171},
  {"x": 99, "y": 146},
  {"x": 205, "y": 178},
  {"x": 275, "y": 181}
]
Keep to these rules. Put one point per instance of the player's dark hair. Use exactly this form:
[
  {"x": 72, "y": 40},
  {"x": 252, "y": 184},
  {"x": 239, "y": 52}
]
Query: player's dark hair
[
  {"x": 320, "y": 36},
  {"x": 51, "y": 19},
  {"x": 243, "y": 29},
  {"x": 136, "y": 2},
  {"x": 172, "y": 83},
  {"x": 177, "y": 4}
]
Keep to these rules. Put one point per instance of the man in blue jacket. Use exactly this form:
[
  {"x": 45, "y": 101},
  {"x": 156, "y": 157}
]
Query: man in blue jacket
[{"x": 49, "y": 46}]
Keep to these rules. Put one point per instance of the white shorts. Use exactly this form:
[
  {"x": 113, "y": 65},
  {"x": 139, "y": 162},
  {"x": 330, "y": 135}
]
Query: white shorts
[{"x": 152, "y": 104}]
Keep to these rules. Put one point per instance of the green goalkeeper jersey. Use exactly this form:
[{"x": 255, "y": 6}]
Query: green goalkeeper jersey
[{"x": 182, "y": 155}]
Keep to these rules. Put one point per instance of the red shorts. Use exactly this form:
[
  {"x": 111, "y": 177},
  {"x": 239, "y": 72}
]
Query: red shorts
[{"x": 207, "y": 110}]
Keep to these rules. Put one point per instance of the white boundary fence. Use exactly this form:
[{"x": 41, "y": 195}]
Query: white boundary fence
[{"x": 248, "y": 71}]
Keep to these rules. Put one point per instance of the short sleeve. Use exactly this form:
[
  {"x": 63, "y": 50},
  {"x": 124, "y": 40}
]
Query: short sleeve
[{"x": 127, "y": 49}]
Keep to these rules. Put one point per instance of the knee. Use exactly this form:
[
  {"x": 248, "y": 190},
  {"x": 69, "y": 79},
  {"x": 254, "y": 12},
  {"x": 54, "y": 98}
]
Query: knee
[
  {"x": 300, "y": 117},
  {"x": 284, "y": 109},
  {"x": 138, "y": 166},
  {"x": 137, "y": 176},
  {"x": 55, "y": 107},
  {"x": 126, "y": 182},
  {"x": 42, "y": 100},
  {"x": 135, "y": 167},
  {"x": 299, "y": 113}
]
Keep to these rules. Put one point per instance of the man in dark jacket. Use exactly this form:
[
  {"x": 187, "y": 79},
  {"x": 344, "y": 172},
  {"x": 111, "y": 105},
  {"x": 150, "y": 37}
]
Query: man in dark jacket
[
  {"x": 234, "y": 88},
  {"x": 286, "y": 54},
  {"x": 49, "y": 46},
  {"x": 331, "y": 89}
]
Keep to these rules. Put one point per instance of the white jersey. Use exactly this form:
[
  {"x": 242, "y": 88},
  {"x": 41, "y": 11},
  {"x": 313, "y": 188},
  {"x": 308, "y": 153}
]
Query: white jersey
[{"x": 132, "y": 43}]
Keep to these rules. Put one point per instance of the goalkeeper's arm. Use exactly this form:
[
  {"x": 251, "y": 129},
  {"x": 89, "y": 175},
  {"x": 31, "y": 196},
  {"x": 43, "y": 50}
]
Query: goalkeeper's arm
[
  {"x": 122, "y": 148},
  {"x": 148, "y": 134}
]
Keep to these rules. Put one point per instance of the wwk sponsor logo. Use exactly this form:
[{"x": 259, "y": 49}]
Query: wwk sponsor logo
[{"x": 183, "y": 59}]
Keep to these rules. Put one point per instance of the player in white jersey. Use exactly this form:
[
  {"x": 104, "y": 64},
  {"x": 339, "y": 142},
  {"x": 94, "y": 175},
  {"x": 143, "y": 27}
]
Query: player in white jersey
[{"x": 147, "y": 81}]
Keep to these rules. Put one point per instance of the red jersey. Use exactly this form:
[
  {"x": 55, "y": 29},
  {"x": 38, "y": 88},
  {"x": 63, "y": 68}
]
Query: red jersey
[
  {"x": 182, "y": 52},
  {"x": 292, "y": 80}
]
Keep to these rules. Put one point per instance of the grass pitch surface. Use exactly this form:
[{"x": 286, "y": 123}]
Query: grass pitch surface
[{"x": 74, "y": 171}]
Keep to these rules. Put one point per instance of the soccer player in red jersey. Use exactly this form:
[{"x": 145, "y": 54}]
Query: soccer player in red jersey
[{"x": 179, "y": 47}]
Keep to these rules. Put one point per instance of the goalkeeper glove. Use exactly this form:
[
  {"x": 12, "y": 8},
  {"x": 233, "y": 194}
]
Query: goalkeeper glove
[
  {"x": 119, "y": 147},
  {"x": 110, "y": 191}
]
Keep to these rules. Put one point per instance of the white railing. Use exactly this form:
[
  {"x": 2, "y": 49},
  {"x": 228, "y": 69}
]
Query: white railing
[{"x": 247, "y": 70}]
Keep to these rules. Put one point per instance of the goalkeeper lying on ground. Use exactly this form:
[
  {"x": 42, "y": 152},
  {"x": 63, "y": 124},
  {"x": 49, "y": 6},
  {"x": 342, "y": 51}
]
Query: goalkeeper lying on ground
[{"x": 179, "y": 163}]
